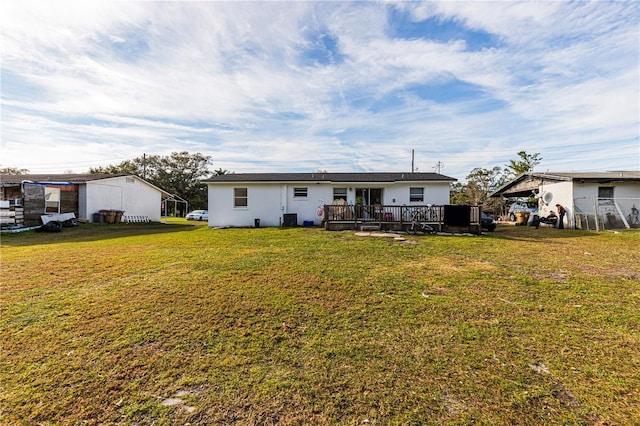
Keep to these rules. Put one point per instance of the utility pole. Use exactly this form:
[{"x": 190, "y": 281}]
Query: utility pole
[
  {"x": 412, "y": 158},
  {"x": 144, "y": 166}
]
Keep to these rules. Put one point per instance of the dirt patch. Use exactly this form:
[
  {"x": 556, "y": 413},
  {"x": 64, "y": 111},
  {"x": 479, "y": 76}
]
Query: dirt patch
[
  {"x": 564, "y": 396},
  {"x": 177, "y": 401},
  {"x": 613, "y": 271},
  {"x": 453, "y": 405},
  {"x": 539, "y": 368}
]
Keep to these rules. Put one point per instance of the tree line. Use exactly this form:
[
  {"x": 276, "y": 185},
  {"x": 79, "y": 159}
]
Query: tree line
[{"x": 481, "y": 182}]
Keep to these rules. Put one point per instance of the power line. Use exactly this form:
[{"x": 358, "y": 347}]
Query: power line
[{"x": 579, "y": 152}]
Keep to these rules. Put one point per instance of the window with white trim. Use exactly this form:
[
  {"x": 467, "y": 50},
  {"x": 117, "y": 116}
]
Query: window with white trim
[
  {"x": 51, "y": 199},
  {"x": 240, "y": 198},
  {"x": 300, "y": 192},
  {"x": 340, "y": 194},
  {"x": 416, "y": 195}
]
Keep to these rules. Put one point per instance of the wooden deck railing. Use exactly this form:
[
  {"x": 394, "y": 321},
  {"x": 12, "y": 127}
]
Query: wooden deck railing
[{"x": 394, "y": 217}]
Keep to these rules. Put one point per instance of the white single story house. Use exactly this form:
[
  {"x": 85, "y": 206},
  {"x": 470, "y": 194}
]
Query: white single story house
[
  {"x": 82, "y": 194},
  {"x": 274, "y": 199},
  {"x": 594, "y": 200}
]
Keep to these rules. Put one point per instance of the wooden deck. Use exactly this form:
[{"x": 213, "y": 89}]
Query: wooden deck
[{"x": 444, "y": 218}]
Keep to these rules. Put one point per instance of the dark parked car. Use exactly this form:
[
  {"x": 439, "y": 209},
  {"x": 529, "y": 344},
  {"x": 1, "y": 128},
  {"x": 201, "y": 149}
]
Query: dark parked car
[{"x": 487, "y": 222}]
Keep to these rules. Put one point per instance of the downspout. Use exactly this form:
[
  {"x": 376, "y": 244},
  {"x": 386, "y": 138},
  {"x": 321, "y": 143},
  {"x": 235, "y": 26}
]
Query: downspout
[{"x": 283, "y": 198}]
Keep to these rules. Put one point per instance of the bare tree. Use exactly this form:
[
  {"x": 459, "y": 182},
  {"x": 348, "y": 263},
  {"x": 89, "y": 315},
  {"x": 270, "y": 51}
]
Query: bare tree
[{"x": 13, "y": 171}]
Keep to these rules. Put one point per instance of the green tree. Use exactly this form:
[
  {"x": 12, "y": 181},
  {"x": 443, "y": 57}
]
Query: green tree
[
  {"x": 525, "y": 164},
  {"x": 127, "y": 167},
  {"x": 481, "y": 182},
  {"x": 179, "y": 173}
]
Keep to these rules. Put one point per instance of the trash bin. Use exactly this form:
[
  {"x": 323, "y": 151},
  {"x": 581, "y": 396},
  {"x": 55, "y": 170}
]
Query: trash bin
[
  {"x": 109, "y": 216},
  {"x": 256, "y": 223},
  {"x": 522, "y": 218},
  {"x": 98, "y": 217},
  {"x": 118, "y": 217}
]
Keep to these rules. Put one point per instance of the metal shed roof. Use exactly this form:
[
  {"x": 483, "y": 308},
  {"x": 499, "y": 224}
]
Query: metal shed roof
[
  {"x": 74, "y": 178},
  {"x": 522, "y": 185}
]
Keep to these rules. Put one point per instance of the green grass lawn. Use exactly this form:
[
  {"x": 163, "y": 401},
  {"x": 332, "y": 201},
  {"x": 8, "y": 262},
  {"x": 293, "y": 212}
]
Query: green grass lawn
[{"x": 181, "y": 324}]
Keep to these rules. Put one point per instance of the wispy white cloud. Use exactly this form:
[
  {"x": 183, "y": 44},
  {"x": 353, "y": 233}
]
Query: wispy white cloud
[{"x": 269, "y": 86}]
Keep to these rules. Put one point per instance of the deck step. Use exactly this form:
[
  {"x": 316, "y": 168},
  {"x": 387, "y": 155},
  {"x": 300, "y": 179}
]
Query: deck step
[{"x": 370, "y": 227}]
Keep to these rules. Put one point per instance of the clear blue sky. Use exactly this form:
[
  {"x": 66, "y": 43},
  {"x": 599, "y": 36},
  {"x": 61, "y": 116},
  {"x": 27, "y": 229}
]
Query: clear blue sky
[{"x": 337, "y": 86}]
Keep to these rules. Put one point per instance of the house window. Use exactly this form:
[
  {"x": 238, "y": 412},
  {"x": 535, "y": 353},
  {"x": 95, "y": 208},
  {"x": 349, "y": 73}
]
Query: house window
[
  {"x": 605, "y": 192},
  {"x": 416, "y": 195},
  {"x": 299, "y": 192},
  {"x": 340, "y": 194},
  {"x": 240, "y": 197},
  {"x": 51, "y": 200}
]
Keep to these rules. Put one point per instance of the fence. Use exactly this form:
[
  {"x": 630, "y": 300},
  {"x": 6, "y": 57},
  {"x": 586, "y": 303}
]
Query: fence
[
  {"x": 135, "y": 219},
  {"x": 593, "y": 213}
]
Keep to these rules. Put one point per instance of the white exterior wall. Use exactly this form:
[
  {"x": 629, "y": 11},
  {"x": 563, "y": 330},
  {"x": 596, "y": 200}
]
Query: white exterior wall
[
  {"x": 263, "y": 202},
  {"x": 621, "y": 190},
  {"x": 560, "y": 193},
  {"x": 307, "y": 208},
  {"x": 438, "y": 194},
  {"x": 269, "y": 201},
  {"x": 626, "y": 195},
  {"x": 627, "y": 190},
  {"x": 130, "y": 194},
  {"x": 579, "y": 197}
]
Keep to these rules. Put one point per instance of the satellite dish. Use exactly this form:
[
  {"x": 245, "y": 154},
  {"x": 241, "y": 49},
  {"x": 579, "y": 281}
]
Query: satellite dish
[{"x": 547, "y": 197}]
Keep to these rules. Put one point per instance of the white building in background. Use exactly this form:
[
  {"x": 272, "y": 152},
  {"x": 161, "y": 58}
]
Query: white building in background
[
  {"x": 593, "y": 200},
  {"x": 82, "y": 194},
  {"x": 130, "y": 194}
]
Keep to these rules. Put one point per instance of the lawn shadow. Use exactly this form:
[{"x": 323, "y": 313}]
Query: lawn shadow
[
  {"x": 530, "y": 233},
  {"x": 92, "y": 232}
]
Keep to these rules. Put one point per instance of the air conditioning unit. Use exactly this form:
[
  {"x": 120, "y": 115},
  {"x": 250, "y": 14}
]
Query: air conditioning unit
[{"x": 17, "y": 202}]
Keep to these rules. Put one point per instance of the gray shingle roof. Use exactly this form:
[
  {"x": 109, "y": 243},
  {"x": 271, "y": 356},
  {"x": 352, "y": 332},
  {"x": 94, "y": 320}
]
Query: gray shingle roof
[{"x": 330, "y": 177}]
